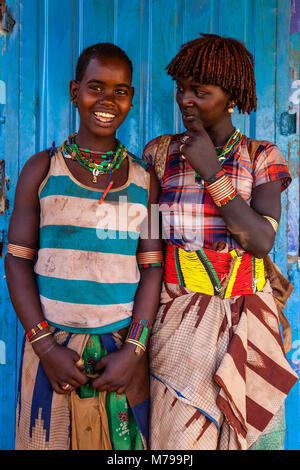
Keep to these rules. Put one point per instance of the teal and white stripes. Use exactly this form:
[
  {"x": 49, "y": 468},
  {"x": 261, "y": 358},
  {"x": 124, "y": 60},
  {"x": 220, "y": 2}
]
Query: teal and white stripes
[{"x": 86, "y": 269}]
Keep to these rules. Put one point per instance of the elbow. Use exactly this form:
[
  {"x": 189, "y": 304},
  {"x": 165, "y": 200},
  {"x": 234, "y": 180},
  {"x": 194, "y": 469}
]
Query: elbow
[
  {"x": 261, "y": 249},
  {"x": 257, "y": 246}
]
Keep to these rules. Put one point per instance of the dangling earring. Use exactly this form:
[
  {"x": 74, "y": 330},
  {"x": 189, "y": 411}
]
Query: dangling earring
[
  {"x": 231, "y": 108},
  {"x": 74, "y": 103},
  {"x": 131, "y": 106}
]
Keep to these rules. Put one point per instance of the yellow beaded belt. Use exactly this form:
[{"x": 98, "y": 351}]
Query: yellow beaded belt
[{"x": 213, "y": 273}]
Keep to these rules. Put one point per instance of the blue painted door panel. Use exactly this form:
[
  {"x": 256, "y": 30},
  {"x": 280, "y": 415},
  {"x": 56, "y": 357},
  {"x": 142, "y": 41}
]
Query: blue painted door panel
[{"x": 37, "y": 62}]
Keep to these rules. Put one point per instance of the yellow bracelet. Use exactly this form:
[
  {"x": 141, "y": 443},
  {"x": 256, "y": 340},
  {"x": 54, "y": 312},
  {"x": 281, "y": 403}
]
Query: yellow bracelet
[
  {"x": 272, "y": 221},
  {"x": 40, "y": 337},
  {"x": 138, "y": 345}
]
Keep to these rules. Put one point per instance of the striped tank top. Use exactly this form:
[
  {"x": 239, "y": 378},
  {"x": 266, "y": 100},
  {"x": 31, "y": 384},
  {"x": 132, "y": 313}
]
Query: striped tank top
[{"x": 86, "y": 269}]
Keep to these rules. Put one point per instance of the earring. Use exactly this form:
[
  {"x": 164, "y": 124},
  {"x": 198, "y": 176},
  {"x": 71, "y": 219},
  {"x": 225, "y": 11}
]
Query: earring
[
  {"x": 231, "y": 108},
  {"x": 74, "y": 103},
  {"x": 131, "y": 106}
]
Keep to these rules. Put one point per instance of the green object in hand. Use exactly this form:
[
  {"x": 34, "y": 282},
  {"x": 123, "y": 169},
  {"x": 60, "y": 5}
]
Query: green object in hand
[{"x": 124, "y": 432}]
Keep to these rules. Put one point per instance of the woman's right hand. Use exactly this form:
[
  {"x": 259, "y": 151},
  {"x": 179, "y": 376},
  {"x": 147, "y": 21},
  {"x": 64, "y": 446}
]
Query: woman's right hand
[{"x": 59, "y": 364}]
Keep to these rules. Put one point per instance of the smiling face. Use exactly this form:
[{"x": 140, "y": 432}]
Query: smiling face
[
  {"x": 206, "y": 103},
  {"x": 103, "y": 99}
]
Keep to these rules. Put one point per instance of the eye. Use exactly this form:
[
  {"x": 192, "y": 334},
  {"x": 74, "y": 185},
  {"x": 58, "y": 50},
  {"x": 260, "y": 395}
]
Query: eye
[
  {"x": 121, "y": 91},
  {"x": 200, "y": 93},
  {"x": 96, "y": 88},
  {"x": 179, "y": 88}
]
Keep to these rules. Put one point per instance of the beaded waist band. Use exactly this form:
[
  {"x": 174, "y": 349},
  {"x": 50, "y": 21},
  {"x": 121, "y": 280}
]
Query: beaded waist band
[{"x": 213, "y": 273}]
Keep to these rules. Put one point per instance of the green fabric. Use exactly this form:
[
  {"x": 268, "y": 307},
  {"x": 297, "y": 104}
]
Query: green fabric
[
  {"x": 274, "y": 435},
  {"x": 124, "y": 432}
]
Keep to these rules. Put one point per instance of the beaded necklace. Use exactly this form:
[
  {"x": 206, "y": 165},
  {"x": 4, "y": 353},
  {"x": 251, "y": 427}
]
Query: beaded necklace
[
  {"x": 226, "y": 151},
  {"x": 97, "y": 163}
]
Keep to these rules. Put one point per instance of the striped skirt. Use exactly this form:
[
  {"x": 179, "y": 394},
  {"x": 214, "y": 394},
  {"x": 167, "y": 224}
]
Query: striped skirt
[{"x": 219, "y": 375}]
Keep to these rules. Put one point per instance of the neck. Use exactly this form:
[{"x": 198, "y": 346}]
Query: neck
[
  {"x": 95, "y": 143},
  {"x": 220, "y": 132}
]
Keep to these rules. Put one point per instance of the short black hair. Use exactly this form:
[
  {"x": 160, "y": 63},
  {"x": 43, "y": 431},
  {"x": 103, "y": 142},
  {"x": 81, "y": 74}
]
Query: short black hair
[
  {"x": 102, "y": 49},
  {"x": 216, "y": 60}
]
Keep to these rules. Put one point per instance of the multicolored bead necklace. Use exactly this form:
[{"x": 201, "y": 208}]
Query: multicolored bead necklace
[
  {"x": 97, "y": 163},
  {"x": 232, "y": 141},
  {"x": 225, "y": 150}
]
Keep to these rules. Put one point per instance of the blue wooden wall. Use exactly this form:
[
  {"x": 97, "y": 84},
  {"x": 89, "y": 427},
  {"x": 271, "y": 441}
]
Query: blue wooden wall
[{"x": 37, "y": 61}]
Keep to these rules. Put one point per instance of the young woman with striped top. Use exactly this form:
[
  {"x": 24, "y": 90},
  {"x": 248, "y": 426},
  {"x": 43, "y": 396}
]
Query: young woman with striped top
[{"x": 72, "y": 268}]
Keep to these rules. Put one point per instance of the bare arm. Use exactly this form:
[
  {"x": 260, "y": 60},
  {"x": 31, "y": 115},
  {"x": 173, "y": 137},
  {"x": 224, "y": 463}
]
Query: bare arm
[
  {"x": 247, "y": 224},
  {"x": 24, "y": 231}
]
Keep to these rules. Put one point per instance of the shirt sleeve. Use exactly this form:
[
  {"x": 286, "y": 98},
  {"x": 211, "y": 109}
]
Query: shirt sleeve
[
  {"x": 269, "y": 165},
  {"x": 150, "y": 151}
]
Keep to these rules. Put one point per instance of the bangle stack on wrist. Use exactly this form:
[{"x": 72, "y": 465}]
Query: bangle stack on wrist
[
  {"x": 138, "y": 334},
  {"x": 221, "y": 188}
]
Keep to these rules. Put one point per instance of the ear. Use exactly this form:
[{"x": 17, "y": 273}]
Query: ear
[
  {"x": 73, "y": 87},
  {"x": 231, "y": 103},
  {"x": 132, "y": 92}
]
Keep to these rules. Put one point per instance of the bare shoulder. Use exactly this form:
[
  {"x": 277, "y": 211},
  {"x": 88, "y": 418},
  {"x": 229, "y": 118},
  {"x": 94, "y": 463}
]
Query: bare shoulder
[
  {"x": 24, "y": 222},
  {"x": 37, "y": 165},
  {"x": 34, "y": 171}
]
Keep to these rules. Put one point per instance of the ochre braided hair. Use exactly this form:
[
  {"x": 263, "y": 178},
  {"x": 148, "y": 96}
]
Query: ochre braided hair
[{"x": 224, "y": 62}]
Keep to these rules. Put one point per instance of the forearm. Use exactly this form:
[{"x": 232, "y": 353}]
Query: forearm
[
  {"x": 24, "y": 295},
  {"x": 148, "y": 294},
  {"x": 145, "y": 307},
  {"x": 250, "y": 229},
  {"x": 23, "y": 290}
]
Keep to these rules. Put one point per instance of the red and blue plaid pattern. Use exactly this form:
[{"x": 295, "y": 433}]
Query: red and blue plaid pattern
[{"x": 190, "y": 218}]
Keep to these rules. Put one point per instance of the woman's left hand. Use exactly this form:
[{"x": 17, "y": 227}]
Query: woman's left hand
[
  {"x": 199, "y": 151},
  {"x": 116, "y": 370}
]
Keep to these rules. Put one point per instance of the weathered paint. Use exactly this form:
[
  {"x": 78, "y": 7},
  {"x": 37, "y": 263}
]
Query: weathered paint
[
  {"x": 38, "y": 60},
  {"x": 293, "y": 310}
]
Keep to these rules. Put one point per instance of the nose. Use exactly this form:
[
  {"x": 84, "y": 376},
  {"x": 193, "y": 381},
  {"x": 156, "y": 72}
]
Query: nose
[
  {"x": 186, "y": 99},
  {"x": 107, "y": 96}
]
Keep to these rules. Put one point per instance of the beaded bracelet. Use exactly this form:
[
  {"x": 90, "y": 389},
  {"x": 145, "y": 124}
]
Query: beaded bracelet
[
  {"x": 160, "y": 264},
  {"x": 139, "y": 332},
  {"x": 222, "y": 191},
  {"x": 36, "y": 329},
  {"x": 214, "y": 178}
]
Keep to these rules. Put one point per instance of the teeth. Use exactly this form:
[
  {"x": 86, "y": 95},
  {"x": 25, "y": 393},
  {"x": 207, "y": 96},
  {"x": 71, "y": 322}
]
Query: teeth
[{"x": 105, "y": 115}]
